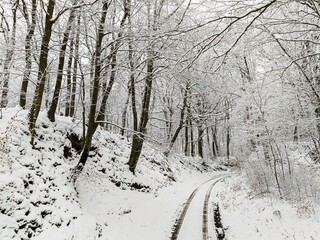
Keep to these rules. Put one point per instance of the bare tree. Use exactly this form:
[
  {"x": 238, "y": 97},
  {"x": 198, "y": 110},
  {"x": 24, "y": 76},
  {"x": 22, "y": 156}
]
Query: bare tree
[
  {"x": 95, "y": 91},
  {"x": 139, "y": 135},
  {"x": 9, "y": 54},
  {"x": 43, "y": 61}
]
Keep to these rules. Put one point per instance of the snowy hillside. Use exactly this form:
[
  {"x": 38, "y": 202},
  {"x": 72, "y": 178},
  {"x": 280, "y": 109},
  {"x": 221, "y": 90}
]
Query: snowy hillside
[{"x": 38, "y": 201}]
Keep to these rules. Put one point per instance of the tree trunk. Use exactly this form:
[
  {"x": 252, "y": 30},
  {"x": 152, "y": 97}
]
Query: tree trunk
[
  {"x": 228, "y": 130},
  {"x": 228, "y": 142},
  {"x": 56, "y": 93},
  {"x": 191, "y": 139},
  {"x": 168, "y": 114},
  {"x": 208, "y": 141},
  {"x": 295, "y": 133},
  {"x": 68, "y": 97},
  {"x": 75, "y": 70},
  {"x": 132, "y": 87},
  {"x": 9, "y": 55},
  {"x": 83, "y": 98},
  {"x": 317, "y": 112},
  {"x": 200, "y": 140},
  {"x": 27, "y": 71},
  {"x": 138, "y": 138},
  {"x": 42, "y": 72},
  {"x": 181, "y": 123},
  {"x": 186, "y": 137},
  {"x": 215, "y": 147},
  {"x": 124, "y": 113},
  {"x": 132, "y": 73}
]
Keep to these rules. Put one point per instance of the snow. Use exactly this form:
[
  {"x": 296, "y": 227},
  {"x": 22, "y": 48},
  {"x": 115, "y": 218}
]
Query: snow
[
  {"x": 250, "y": 217},
  {"x": 38, "y": 200},
  {"x": 192, "y": 224},
  {"x": 136, "y": 215}
]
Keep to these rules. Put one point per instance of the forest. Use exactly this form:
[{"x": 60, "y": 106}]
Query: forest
[{"x": 138, "y": 91}]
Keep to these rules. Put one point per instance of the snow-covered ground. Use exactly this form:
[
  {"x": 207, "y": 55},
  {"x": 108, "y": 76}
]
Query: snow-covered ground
[
  {"x": 251, "y": 217},
  {"x": 131, "y": 215},
  {"x": 192, "y": 227},
  {"x": 39, "y": 202}
]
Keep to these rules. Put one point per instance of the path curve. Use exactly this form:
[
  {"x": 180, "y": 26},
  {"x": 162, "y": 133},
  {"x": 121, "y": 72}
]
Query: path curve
[{"x": 178, "y": 223}]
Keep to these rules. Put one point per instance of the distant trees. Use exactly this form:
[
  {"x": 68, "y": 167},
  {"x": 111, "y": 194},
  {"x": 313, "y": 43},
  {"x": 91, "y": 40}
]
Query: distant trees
[
  {"x": 182, "y": 120},
  {"x": 301, "y": 63},
  {"x": 10, "y": 43},
  {"x": 199, "y": 80}
]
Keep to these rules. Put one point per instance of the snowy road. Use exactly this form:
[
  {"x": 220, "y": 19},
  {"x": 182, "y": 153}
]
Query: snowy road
[
  {"x": 195, "y": 222},
  {"x": 131, "y": 215}
]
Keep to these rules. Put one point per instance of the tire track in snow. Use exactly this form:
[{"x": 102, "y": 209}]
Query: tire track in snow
[
  {"x": 205, "y": 211},
  {"x": 178, "y": 223}
]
